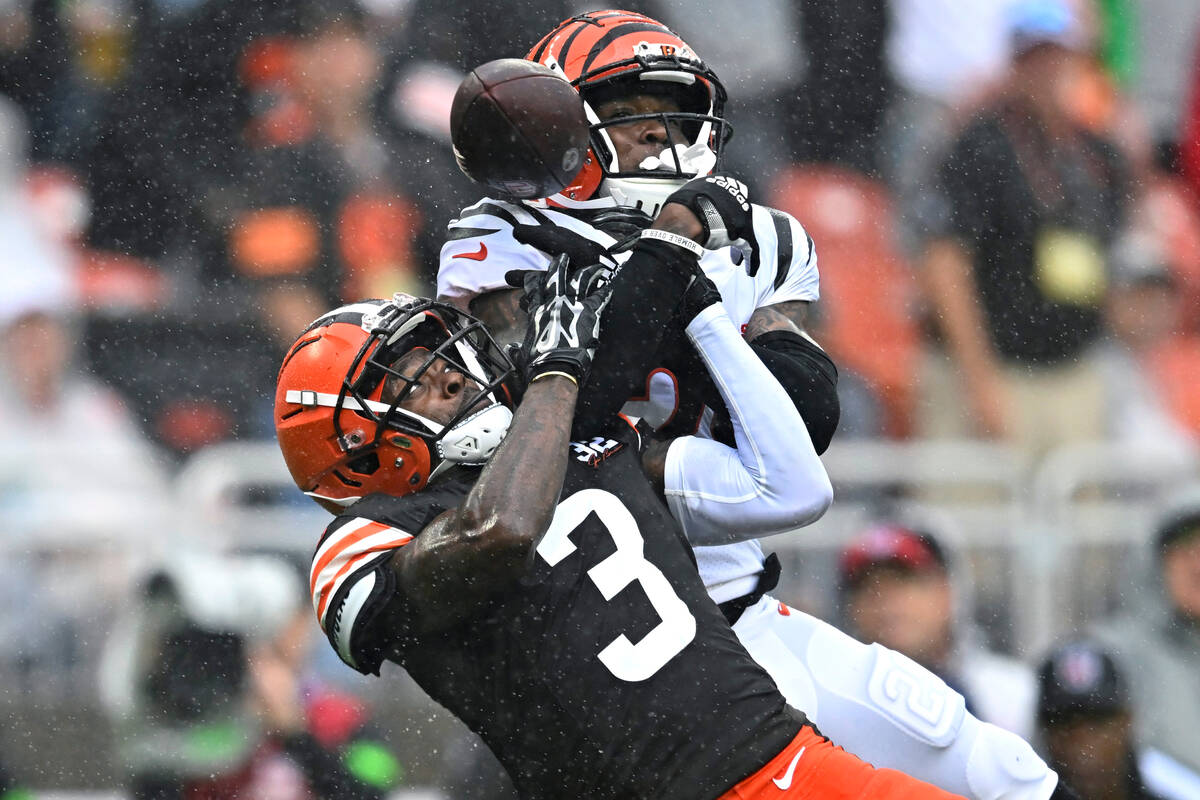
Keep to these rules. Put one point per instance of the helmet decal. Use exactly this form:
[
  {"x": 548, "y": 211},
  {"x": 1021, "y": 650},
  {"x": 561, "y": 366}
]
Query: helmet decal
[{"x": 612, "y": 53}]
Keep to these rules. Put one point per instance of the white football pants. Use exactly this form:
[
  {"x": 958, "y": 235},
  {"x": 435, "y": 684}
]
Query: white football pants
[{"x": 887, "y": 709}]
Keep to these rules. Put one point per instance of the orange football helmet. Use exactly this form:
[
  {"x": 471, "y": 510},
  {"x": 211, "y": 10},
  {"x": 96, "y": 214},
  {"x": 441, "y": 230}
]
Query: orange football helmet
[
  {"x": 339, "y": 413},
  {"x": 606, "y": 54}
]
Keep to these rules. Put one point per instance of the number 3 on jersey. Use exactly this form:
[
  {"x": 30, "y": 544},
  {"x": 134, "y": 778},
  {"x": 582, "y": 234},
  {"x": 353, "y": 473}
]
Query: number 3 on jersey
[{"x": 624, "y": 659}]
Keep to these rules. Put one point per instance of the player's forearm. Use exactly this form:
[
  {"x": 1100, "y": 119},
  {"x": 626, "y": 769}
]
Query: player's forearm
[
  {"x": 500, "y": 310},
  {"x": 774, "y": 480},
  {"x": 679, "y": 219},
  {"x": 646, "y": 293},
  {"x": 517, "y": 491},
  {"x": 467, "y": 555}
]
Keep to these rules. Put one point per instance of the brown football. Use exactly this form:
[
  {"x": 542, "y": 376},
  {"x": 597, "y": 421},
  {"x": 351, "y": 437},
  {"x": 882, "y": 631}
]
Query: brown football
[{"x": 518, "y": 128}]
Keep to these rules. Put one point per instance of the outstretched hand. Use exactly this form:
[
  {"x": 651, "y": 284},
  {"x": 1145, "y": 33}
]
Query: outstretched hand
[{"x": 564, "y": 310}]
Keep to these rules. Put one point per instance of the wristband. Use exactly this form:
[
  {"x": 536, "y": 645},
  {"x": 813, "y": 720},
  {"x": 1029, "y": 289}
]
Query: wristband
[
  {"x": 548, "y": 373},
  {"x": 673, "y": 238}
]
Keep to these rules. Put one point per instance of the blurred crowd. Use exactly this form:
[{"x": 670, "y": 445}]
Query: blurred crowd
[
  {"x": 1003, "y": 192},
  {"x": 1004, "y": 197}
]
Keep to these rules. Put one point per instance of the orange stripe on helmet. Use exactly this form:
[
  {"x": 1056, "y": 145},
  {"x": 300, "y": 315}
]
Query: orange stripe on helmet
[
  {"x": 597, "y": 46},
  {"x": 600, "y": 38},
  {"x": 574, "y": 26}
]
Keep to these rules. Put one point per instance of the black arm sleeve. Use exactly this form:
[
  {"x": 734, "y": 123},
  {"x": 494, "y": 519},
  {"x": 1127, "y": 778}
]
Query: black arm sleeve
[
  {"x": 809, "y": 377},
  {"x": 646, "y": 293}
]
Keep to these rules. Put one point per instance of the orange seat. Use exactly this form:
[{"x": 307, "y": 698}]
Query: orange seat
[
  {"x": 868, "y": 291},
  {"x": 1175, "y": 366},
  {"x": 376, "y": 238},
  {"x": 1170, "y": 211}
]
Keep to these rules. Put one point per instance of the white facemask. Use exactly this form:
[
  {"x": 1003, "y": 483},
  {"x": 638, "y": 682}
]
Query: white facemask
[{"x": 649, "y": 193}]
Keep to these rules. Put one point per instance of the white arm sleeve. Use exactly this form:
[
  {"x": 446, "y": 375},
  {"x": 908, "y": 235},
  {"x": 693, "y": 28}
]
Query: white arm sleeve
[{"x": 774, "y": 481}]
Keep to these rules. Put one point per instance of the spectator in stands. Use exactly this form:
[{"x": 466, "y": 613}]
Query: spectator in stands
[
  {"x": 1028, "y": 203},
  {"x": 896, "y": 589},
  {"x": 212, "y": 701},
  {"x": 1084, "y": 716},
  {"x": 1142, "y": 314},
  {"x": 72, "y": 435},
  {"x": 943, "y": 57},
  {"x": 1157, "y": 641},
  {"x": 329, "y": 216},
  {"x": 51, "y": 407}
]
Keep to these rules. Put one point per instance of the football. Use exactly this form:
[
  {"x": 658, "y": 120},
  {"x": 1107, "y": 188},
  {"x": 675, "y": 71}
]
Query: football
[{"x": 518, "y": 128}]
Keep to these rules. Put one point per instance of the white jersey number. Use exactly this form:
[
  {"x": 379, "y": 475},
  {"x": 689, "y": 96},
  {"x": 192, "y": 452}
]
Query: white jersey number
[{"x": 624, "y": 659}]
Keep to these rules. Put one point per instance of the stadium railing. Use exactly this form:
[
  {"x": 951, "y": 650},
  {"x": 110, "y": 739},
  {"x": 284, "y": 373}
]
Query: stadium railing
[{"x": 1042, "y": 552}]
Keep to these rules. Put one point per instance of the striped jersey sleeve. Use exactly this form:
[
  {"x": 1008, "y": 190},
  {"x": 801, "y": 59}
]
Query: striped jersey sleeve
[
  {"x": 791, "y": 272},
  {"x": 350, "y": 582},
  {"x": 480, "y": 249}
]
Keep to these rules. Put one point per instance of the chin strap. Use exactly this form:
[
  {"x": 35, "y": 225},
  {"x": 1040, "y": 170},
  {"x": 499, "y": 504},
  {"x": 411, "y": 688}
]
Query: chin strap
[
  {"x": 646, "y": 195},
  {"x": 473, "y": 440}
]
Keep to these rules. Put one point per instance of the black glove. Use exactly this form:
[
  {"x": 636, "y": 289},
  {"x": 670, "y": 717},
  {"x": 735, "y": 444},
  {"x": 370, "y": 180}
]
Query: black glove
[
  {"x": 700, "y": 293},
  {"x": 555, "y": 240},
  {"x": 564, "y": 317},
  {"x": 722, "y": 203}
]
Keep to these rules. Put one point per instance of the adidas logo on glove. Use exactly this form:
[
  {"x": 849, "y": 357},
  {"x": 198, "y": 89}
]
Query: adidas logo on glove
[{"x": 734, "y": 187}]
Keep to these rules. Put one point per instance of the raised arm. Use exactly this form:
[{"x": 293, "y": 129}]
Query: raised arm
[
  {"x": 773, "y": 481},
  {"x": 469, "y": 554}
]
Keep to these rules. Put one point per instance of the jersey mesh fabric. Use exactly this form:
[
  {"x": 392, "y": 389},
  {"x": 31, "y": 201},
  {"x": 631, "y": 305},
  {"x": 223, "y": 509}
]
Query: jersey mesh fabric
[
  {"x": 527, "y": 674},
  {"x": 789, "y": 273}
]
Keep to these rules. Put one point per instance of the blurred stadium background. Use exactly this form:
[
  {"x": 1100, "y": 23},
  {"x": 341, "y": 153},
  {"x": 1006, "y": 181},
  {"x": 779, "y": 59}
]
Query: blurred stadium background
[{"x": 185, "y": 183}]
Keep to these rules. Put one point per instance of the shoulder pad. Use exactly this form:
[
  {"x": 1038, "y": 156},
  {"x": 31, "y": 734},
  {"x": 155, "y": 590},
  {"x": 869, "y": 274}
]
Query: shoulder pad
[
  {"x": 472, "y": 217},
  {"x": 412, "y": 512},
  {"x": 351, "y": 578}
]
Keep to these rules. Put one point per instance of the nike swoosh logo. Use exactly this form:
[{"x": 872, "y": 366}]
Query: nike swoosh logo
[
  {"x": 478, "y": 255},
  {"x": 785, "y": 782}
]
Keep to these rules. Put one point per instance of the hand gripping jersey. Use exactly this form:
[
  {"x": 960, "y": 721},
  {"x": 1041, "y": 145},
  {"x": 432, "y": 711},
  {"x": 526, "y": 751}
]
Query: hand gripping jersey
[
  {"x": 480, "y": 249},
  {"x": 605, "y": 673}
]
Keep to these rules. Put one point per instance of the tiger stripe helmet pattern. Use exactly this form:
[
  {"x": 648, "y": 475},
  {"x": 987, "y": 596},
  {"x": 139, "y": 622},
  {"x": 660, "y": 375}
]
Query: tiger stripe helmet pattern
[{"x": 604, "y": 51}]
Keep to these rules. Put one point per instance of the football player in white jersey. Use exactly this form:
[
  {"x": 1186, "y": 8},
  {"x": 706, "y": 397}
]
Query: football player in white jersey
[{"x": 655, "y": 110}]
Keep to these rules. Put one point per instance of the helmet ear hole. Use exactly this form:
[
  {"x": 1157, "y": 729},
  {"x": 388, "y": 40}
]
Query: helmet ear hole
[{"x": 364, "y": 465}]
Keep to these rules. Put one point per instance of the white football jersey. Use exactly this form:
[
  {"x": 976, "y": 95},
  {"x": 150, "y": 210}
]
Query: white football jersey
[{"x": 480, "y": 249}]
